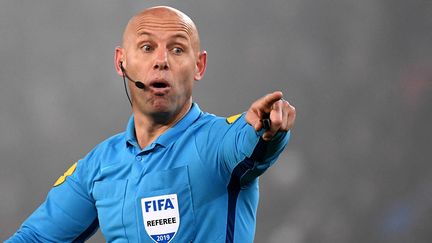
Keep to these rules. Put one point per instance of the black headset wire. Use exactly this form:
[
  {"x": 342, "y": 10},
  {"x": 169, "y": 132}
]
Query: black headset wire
[
  {"x": 125, "y": 87},
  {"x": 266, "y": 122}
]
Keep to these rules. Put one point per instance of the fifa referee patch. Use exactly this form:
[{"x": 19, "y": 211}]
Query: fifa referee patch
[
  {"x": 234, "y": 118},
  {"x": 161, "y": 217},
  {"x": 69, "y": 172}
]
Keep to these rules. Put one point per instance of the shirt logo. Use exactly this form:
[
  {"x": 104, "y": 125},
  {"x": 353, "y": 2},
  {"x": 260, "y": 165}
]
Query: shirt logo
[
  {"x": 232, "y": 119},
  {"x": 161, "y": 217},
  {"x": 69, "y": 172}
]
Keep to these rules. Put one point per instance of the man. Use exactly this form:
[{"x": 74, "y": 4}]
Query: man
[{"x": 176, "y": 174}]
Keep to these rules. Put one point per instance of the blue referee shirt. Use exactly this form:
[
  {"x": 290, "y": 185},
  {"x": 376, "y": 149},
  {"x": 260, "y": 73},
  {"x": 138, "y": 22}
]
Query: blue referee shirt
[{"x": 197, "y": 182}]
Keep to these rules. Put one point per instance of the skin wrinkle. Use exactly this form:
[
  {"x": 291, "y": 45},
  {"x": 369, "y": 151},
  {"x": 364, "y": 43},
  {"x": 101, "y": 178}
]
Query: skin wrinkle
[
  {"x": 149, "y": 35},
  {"x": 166, "y": 28},
  {"x": 173, "y": 26},
  {"x": 162, "y": 29},
  {"x": 151, "y": 19},
  {"x": 153, "y": 24},
  {"x": 168, "y": 72}
]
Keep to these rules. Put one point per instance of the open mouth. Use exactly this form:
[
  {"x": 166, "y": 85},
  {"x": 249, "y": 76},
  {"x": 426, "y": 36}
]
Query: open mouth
[{"x": 159, "y": 85}]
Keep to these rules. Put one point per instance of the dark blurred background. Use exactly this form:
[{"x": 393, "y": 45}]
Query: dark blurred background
[{"x": 358, "y": 168}]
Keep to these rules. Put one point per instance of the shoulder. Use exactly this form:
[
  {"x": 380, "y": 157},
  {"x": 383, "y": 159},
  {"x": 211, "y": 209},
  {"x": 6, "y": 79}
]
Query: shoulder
[
  {"x": 104, "y": 149},
  {"x": 210, "y": 126},
  {"x": 111, "y": 145},
  {"x": 208, "y": 120}
]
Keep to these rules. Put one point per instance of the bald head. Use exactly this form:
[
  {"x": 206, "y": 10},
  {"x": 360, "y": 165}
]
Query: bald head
[{"x": 161, "y": 18}]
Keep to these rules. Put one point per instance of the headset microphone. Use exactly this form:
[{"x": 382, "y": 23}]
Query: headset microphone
[
  {"x": 138, "y": 83},
  {"x": 265, "y": 122}
]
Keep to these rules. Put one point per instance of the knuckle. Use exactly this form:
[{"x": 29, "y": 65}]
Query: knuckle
[
  {"x": 276, "y": 123},
  {"x": 276, "y": 106}
]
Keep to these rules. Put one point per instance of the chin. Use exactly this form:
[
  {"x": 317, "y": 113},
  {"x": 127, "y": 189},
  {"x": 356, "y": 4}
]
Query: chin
[{"x": 161, "y": 106}]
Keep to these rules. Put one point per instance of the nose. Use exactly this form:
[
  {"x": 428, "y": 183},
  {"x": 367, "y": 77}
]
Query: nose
[{"x": 161, "y": 61}]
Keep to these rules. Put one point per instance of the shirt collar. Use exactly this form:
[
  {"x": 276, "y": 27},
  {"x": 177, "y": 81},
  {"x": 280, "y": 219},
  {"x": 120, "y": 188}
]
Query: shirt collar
[{"x": 171, "y": 134}]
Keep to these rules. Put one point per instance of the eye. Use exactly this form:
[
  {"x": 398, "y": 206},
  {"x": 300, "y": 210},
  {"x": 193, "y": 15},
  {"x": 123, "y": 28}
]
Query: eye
[
  {"x": 177, "y": 50},
  {"x": 146, "y": 48}
]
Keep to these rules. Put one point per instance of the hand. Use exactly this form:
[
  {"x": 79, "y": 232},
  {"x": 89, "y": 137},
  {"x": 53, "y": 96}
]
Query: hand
[{"x": 281, "y": 113}]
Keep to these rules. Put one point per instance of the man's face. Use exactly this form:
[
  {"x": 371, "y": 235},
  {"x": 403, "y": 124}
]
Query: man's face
[{"x": 161, "y": 49}]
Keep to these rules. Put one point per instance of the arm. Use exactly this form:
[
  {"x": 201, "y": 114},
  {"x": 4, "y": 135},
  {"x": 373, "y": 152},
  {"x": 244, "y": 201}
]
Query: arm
[
  {"x": 246, "y": 154},
  {"x": 272, "y": 139},
  {"x": 240, "y": 146},
  {"x": 68, "y": 213}
]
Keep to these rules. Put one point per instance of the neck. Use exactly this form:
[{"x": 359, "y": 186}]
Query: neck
[{"x": 149, "y": 128}]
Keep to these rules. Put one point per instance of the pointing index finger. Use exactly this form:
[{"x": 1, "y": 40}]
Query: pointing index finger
[{"x": 270, "y": 99}]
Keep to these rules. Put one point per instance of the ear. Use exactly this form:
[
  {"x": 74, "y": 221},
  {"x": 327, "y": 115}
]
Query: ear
[
  {"x": 118, "y": 59},
  {"x": 201, "y": 65}
]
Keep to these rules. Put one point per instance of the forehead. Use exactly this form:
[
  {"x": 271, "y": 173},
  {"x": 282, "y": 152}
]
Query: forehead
[
  {"x": 169, "y": 23},
  {"x": 160, "y": 19}
]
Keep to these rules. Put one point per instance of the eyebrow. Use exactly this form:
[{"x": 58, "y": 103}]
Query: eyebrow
[
  {"x": 181, "y": 36},
  {"x": 141, "y": 33},
  {"x": 177, "y": 35}
]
